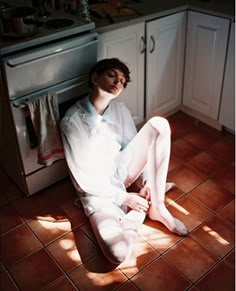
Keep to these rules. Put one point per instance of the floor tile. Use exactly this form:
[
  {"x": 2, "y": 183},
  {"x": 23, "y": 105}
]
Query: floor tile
[
  {"x": 9, "y": 218},
  {"x": 72, "y": 250},
  {"x": 49, "y": 227},
  {"x": 87, "y": 229},
  {"x": 193, "y": 288},
  {"x": 9, "y": 189},
  {"x": 226, "y": 178},
  {"x": 160, "y": 275},
  {"x": 32, "y": 275},
  {"x": 2, "y": 267},
  {"x": 62, "y": 284},
  {"x": 141, "y": 255},
  {"x": 97, "y": 274},
  {"x": 174, "y": 162},
  {"x": 181, "y": 124},
  {"x": 189, "y": 212},
  {"x": 228, "y": 212},
  {"x": 29, "y": 207},
  {"x": 203, "y": 136},
  {"x": 185, "y": 178},
  {"x": 3, "y": 200},
  {"x": 18, "y": 244},
  {"x": 191, "y": 258},
  {"x": 212, "y": 195},
  {"x": 61, "y": 191},
  {"x": 230, "y": 259},
  {"x": 158, "y": 236},
  {"x": 173, "y": 195},
  {"x": 216, "y": 235},
  {"x": 220, "y": 278},
  {"x": 223, "y": 149},
  {"x": 207, "y": 164},
  {"x": 183, "y": 149},
  {"x": 128, "y": 286},
  {"x": 76, "y": 215},
  {"x": 202, "y": 165},
  {"x": 6, "y": 282}
]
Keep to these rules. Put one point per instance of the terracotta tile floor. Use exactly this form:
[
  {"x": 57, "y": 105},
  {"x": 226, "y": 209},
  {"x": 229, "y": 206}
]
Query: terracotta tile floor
[{"x": 47, "y": 242}]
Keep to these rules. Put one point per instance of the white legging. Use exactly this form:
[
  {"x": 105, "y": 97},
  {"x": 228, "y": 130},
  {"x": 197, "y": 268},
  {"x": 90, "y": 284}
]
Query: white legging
[{"x": 116, "y": 233}]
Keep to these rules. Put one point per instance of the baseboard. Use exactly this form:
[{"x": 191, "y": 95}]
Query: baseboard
[{"x": 207, "y": 120}]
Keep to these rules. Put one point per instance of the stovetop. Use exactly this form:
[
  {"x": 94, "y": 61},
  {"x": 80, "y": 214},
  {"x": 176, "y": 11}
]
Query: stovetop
[{"x": 47, "y": 32}]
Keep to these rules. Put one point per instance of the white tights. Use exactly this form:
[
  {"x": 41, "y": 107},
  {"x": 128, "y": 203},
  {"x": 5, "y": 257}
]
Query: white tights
[{"x": 116, "y": 235}]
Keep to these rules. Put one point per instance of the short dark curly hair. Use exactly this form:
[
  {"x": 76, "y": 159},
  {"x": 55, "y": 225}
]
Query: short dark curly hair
[{"x": 106, "y": 64}]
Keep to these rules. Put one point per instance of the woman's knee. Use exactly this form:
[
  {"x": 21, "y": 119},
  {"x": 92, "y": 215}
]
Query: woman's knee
[
  {"x": 161, "y": 124},
  {"x": 118, "y": 253}
]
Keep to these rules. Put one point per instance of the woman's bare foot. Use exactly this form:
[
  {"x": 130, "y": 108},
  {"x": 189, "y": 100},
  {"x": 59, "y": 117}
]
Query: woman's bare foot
[{"x": 162, "y": 215}]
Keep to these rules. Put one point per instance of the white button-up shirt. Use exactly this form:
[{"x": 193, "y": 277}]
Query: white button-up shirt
[{"x": 95, "y": 151}]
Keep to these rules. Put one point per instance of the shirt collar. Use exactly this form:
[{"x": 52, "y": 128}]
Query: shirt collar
[{"x": 90, "y": 116}]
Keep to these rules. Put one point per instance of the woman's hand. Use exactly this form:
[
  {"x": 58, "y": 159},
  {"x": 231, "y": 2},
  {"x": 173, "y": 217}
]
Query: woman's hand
[{"x": 138, "y": 201}]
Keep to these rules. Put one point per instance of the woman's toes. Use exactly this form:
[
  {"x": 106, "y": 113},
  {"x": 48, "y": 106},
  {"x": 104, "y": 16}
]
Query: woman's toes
[{"x": 180, "y": 228}]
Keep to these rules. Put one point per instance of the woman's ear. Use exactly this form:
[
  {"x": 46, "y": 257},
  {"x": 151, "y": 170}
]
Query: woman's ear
[{"x": 94, "y": 78}]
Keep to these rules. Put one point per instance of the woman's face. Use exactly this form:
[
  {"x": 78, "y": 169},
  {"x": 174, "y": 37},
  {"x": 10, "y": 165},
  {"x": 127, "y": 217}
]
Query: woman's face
[{"x": 111, "y": 81}]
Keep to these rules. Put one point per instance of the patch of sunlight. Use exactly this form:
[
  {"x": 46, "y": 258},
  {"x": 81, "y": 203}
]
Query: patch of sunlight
[
  {"x": 169, "y": 200},
  {"x": 67, "y": 244},
  {"x": 52, "y": 218},
  {"x": 180, "y": 208},
  {"x": 164, "y": 241},
  {"x": 104, "y": 279},
  {"x": 55, "y": 226},
  {"x": 74, "y": 255},
  {"x": 219, "y": 238}
]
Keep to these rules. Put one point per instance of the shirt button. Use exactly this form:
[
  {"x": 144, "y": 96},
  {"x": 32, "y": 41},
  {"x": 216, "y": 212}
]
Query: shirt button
[{"x": 90, "y": 209}]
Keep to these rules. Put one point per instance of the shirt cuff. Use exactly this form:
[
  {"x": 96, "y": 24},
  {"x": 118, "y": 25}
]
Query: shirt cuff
[{"x": 121, "y": 195}]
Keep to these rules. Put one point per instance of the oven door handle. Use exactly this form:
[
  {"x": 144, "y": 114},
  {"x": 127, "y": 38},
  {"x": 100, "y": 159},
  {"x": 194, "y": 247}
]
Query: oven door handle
[
  {"x": 21, "y": 60},
  {"x": 23, "y": 105},
  {"x": 20, "y": 106}
]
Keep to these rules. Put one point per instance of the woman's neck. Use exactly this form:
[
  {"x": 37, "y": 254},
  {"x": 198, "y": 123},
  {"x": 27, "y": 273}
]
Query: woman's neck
[{"x": 99, "y": 102}]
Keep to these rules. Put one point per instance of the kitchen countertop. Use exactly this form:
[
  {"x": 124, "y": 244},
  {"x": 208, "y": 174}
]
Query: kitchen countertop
[
  {"x": 147, "y": 10},
  {"x": 151, "y": 9}
]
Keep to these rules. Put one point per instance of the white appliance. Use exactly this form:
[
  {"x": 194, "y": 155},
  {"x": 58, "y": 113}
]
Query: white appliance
[{"x": 61, "y": 66}]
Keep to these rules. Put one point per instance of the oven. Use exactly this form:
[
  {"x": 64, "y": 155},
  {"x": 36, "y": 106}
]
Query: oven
[{"x": 61, "y": 67}]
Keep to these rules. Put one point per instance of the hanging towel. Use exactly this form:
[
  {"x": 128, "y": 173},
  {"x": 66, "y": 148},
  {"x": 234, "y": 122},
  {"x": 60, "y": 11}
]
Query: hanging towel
[{"x": 44, "y": 114}]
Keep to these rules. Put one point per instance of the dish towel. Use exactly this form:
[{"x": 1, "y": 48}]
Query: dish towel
[{"x": 44, "y": 113}]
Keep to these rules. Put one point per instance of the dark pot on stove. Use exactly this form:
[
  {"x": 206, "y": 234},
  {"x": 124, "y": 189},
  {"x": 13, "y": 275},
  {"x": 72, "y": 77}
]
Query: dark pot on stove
[{"x": 19, "y": 20}]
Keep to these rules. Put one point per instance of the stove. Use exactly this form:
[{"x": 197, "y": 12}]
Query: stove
[
  {"x": 59, "y": 25},
  {"x": 55, "y": 60}
]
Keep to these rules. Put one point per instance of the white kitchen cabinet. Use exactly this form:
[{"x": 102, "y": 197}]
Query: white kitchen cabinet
[
  {"x": 227, "y": 107},
  {"x": 164, "y": 63},
  {"x": 128, "y": 44},
  {"x": 204, "y": 64}
]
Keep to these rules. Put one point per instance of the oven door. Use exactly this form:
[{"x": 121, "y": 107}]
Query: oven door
[
  {"x": 49, "y": 65},
  {"x": 68, "y": 92}
]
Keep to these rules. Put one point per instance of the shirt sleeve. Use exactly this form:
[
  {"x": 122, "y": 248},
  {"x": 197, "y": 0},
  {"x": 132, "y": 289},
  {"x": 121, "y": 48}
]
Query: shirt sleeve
[
  {"x": 90, "y": 179},
  {"x": 129, "y": 128}
]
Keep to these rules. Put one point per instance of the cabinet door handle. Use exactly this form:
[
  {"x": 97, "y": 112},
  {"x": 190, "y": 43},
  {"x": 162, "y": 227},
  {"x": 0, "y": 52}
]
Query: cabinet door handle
[
  {"x": 152, "y": 44},
  {"x": 142, "y": 45}
]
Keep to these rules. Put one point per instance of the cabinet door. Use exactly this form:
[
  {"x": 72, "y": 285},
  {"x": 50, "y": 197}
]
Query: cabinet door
[
  {"x": 204, "y": 66},
  {"x": 128, "y": 45},
  {"x": 164, "y": 63},
  {"x": 227, "y": 108}
]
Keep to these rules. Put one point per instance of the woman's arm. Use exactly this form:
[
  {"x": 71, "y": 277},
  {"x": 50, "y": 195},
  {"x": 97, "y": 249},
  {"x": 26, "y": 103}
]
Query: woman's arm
[{"x": 83, "y": 167}]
